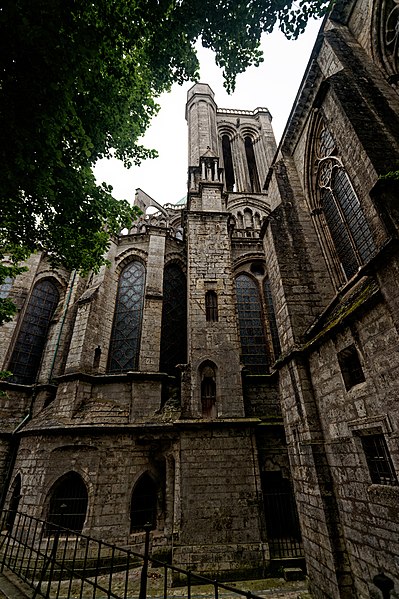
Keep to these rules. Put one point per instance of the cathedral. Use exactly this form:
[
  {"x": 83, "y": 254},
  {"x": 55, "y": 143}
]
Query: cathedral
[{"x": 232, "y": 376}]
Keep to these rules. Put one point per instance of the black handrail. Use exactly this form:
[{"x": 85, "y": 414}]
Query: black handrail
[{"x": 57, "y": 562}]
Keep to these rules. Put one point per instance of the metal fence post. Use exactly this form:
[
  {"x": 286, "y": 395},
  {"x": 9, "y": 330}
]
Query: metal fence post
[{"x": 144, "y": 571}]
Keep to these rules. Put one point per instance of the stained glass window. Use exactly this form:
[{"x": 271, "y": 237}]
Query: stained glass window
[
  {"x": 353, "y": 214},
  {"x": 343, "y": 213},
  {"x": 272, "y": 318},
  {"x": 252, "y": 336},
  {"x": 174, "y": 319},
  {"x": 31, "y": 340},
  {"x": 211, "y": 306},
  {"x": 125, "y": 340},
  {"x": 339, "y": 233}
]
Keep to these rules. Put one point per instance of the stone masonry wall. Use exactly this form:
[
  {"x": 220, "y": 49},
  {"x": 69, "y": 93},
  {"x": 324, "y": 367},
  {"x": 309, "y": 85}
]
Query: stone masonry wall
[
  {"x": 370, "y": 521},
  {"x": 127, "y": 455},
  {"x": 220, "y": 502},
  {"x": 209, "y": 267}
]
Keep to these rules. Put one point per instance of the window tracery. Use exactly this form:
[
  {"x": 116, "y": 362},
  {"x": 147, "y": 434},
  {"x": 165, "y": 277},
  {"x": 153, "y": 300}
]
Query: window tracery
[
  {"x": 126, "y": 331},
  {"x": 28, "y": 350},
  {"x": 387, "y": 17},
  {"x": 338, "y": 206}
]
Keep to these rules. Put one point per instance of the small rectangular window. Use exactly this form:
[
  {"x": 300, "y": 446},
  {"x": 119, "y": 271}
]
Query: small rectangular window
[
  {"x": 351, "y": 369},
  {"x": 211, "y": 306},
  {"x": 378, "y": 460}
]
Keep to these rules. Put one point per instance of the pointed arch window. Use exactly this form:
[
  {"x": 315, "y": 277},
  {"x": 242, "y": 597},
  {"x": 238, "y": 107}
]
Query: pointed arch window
[
  {"x": 174, "y": 319},
  {"x": 126, "y": 331},
  {"x": 228, "y": 163},
  {"x": 251, "y": 325},
  {"x": 14, "y": 503},
  {"x": 387, "y": 15},
  {"x": 28, "y": 350},
  {"x": 211, "y": 306},
  {"x": 341, "y": 209},
  {"x": 68, "y": 503},
  {"x": 252, "y": 169},
  {"x": 143, "y": 508},
  {"x": 208, "y": 390}
]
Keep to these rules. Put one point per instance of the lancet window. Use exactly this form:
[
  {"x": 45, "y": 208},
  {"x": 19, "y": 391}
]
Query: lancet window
[
  {"x": 126, "y": 332},
  {"x": 143, "y": 508},
  {"x": 228, "y": 163},
  {"x": 28, "y": 350},
  {"x": 174, "y": 319},
  {"x": 252, "y": 335},
  {"x": 338, "y": 207},
  {"x": 260, "y": 344},
  {"x": 252, "y": 169}
]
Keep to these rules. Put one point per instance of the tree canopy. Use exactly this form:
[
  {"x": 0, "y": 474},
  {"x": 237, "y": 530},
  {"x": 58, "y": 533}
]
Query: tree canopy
[{"x": 79, "y": 81}]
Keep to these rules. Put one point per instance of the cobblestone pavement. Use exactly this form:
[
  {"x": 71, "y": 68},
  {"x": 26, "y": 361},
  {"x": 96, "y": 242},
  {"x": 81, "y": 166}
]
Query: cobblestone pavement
[{"x": 269, "y": 588}]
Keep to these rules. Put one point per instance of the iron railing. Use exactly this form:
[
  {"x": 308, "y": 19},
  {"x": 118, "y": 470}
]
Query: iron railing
[{"x": 60, "y": 563}]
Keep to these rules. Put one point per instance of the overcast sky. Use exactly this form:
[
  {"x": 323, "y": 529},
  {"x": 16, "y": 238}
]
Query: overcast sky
[{"x": 272, "y": 85}]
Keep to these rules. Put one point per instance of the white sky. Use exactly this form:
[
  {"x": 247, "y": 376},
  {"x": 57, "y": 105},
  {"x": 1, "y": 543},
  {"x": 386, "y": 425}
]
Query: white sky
[{"x": 272, "y": 85}]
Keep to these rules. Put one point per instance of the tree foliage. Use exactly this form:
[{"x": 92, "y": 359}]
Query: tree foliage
[{"x": 79, "y": 81}]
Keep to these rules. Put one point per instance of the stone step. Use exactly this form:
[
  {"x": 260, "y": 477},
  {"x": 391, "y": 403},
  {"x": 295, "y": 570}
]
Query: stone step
[{"x": 12, "y": 588}]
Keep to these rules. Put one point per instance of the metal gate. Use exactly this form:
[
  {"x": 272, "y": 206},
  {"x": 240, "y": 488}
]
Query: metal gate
[{"x": 282, "y": 524}]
